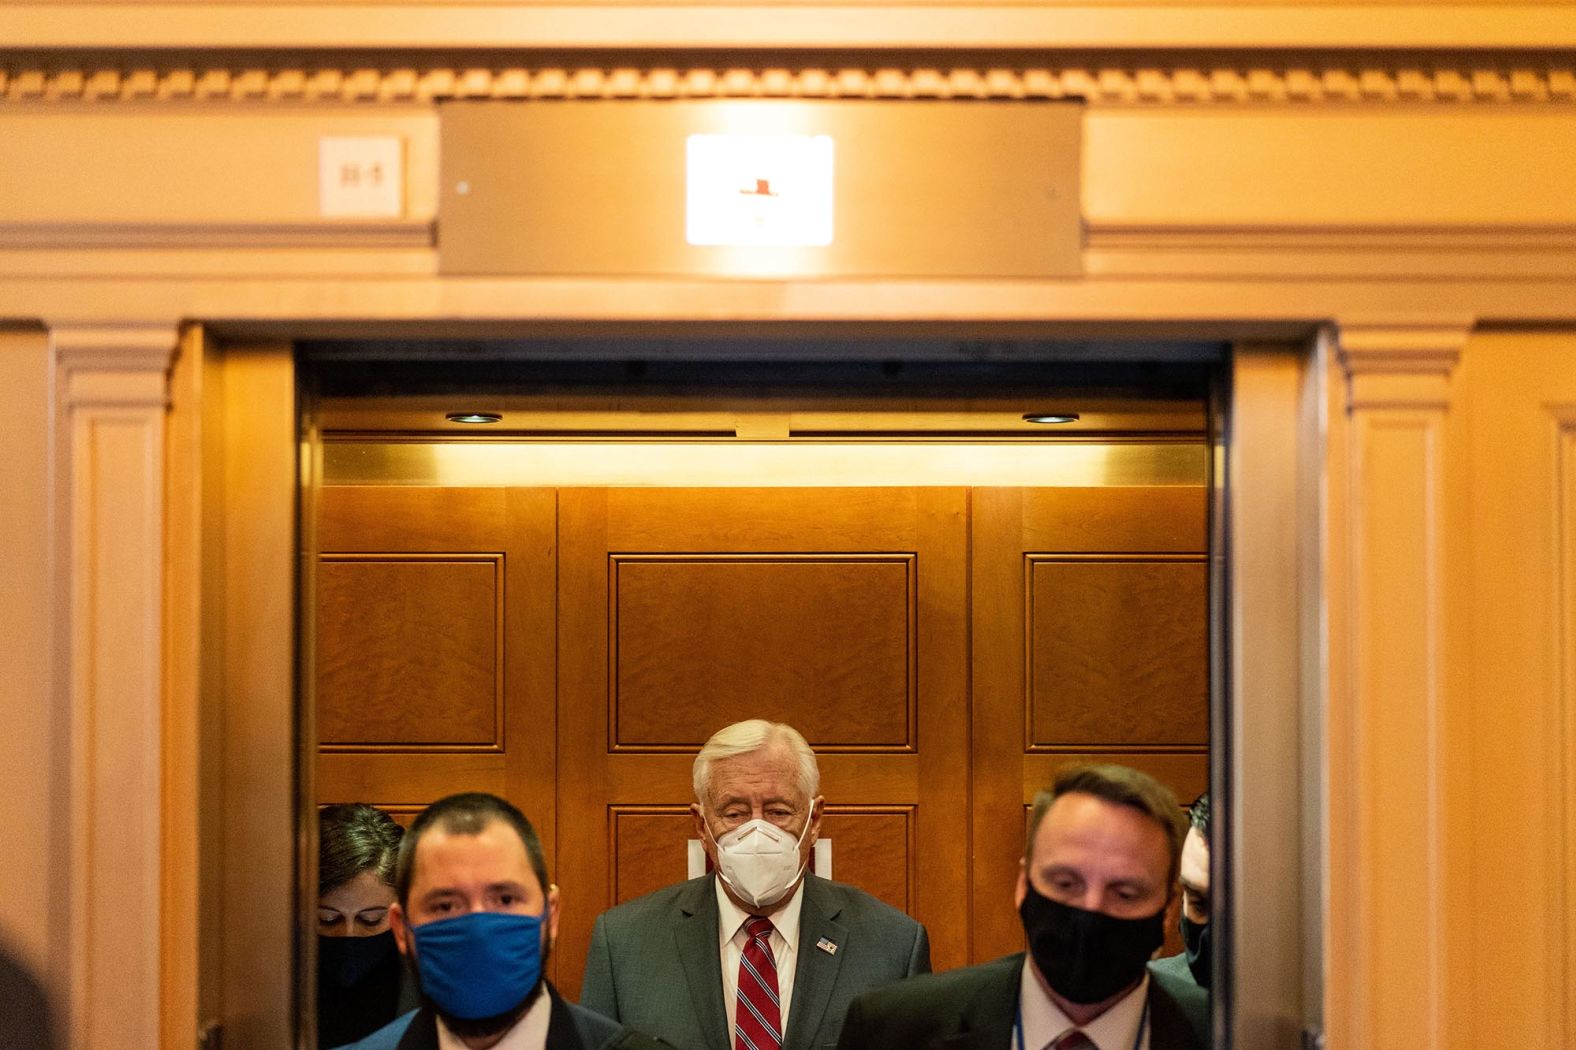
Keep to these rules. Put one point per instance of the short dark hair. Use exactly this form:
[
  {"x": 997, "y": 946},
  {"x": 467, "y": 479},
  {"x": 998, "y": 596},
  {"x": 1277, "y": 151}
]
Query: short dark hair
[
  {"x": 1123, "y": 786},
  {"x": 466, "y": 814},
  {"x": 1198, "y": 815},
  {"x": 352, "y": 838}
]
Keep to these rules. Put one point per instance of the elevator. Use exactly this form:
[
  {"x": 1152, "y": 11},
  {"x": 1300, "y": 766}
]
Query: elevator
[{"x": 867, "y": 538}]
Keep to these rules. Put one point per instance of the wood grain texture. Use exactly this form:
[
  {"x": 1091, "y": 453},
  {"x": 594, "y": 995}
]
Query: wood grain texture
[
  {"x": 500, "y": 589},
  {"x": 873, "y": 848},
  {"x": 530, "y": 660},
  {"x": 261, "y": 850},
  {"x": 1155, "y": 519},
  {"x": 647, "y": 849},
  {"x": 1065, "y": 663},
  {"x": 409, "y": 650},
  {"x": 702, "y": 642},
  {"x": 586, "y": 787},
  {"x": 1118, "y": 652},
  {"x": 402, "y": 518},
  {"x": 407, "y": 777},
  {"x": 657, "y": 616},
  {"x": 1185, "y": 773},
  {"x": 732, "y": 581},
  {"x": 402, "y": 815},
  {"x": 770, "y": 520}
]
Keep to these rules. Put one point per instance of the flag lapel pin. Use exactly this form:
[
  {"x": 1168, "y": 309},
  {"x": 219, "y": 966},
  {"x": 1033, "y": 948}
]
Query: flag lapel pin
[{"x": 826, "y": 946}]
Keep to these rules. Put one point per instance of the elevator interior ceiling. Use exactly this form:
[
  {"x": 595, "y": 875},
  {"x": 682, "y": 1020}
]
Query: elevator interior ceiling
[{"x": 643, "y": 413}]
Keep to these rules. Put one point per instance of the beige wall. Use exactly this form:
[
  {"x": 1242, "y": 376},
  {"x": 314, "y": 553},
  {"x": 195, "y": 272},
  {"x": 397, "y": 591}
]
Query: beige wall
[
  {"x": 1519, "y": 394},
  {"x": 1417, "y": 212},
  {"x": 30, "y": 914}
]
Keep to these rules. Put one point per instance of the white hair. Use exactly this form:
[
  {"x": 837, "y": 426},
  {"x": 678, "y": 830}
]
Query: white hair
[{"x": 743, "y": 738}]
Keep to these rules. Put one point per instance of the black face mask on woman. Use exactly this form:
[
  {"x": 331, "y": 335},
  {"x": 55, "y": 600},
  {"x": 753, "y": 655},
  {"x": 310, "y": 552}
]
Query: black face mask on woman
[
  {"x": 1088, "y": 956},
  {"x": 357, "y": 986}
]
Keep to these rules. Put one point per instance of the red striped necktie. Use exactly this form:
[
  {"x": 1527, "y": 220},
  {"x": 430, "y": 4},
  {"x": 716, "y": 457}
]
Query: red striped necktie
[{"x": 757, "y": 1023}]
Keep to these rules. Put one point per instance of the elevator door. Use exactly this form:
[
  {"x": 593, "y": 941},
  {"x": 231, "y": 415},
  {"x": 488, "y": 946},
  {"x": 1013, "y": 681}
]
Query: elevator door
[
  {"x": 839, "y": 611},
  {"x": 435, "y": 647},
  {"x": 943, "y": 649}
]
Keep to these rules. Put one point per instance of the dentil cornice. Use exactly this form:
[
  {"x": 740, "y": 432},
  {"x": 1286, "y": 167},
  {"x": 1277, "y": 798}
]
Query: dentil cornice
[{"x": 1376, "y": 81}]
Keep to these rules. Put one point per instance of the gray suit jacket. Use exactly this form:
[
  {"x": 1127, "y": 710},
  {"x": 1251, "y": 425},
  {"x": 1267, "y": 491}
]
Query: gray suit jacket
[{"x": 654, "y": 963}]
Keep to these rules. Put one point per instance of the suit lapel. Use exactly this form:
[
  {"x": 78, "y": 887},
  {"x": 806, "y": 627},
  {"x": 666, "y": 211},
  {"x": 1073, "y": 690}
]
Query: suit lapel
[
  {"x": 989, "y": 1016},
  {"x": 561, "y": 1031},
  {"x": 695, "y": 936},
  {"x": 815, "y": 971}
]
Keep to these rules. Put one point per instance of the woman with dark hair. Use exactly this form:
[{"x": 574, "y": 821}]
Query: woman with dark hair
[{"x": 359, "y": 972}]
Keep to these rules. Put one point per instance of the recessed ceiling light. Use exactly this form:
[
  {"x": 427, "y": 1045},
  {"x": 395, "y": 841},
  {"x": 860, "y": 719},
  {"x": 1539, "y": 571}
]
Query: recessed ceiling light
[
  {"x": 1050, "y": 417},
  {"x": 473, "y": 417}
]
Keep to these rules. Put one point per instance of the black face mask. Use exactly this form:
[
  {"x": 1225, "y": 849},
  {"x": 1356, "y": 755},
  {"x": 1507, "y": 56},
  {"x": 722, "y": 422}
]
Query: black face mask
[
  {"x": 357, "y": 986},
  {"x": 1195, "y": 939},
  {"x": 1088, "y": 956}
]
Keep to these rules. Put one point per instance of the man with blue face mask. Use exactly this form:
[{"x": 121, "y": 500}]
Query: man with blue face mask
[
  {"x": 760, "y": 954},
  {"x": 476, "y": 915}
]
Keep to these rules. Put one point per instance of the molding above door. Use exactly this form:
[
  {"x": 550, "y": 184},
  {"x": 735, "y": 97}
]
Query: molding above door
[{"x": 394, "y": 77}]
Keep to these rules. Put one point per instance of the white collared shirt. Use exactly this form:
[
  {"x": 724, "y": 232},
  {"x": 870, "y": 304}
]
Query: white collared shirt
[
  {"x": 784, "y": 942},
  {"x": 528, "y": 1033},
  {"x": 1044, "y": 1022}
]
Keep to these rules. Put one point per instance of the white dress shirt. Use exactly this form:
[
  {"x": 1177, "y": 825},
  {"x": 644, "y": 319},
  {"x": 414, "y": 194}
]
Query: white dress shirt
[
  {"x": 784, "y": 941},
  {"x": 1116, "y": 1029},
  {"x": 528, "y": 1033}
]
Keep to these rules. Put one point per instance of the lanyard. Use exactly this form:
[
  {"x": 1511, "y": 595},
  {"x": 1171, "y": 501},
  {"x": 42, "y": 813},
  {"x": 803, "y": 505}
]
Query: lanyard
[{"x": 1138, "y": 1043}]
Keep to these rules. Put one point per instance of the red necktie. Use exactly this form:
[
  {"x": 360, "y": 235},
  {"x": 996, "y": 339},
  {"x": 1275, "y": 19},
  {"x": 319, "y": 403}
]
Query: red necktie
[
  {"x": 757, "y": 1021},
  {"x": 1074, "y": 1040}
]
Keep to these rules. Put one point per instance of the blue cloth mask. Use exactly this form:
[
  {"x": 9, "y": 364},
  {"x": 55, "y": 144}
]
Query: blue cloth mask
[{"x": 481, "y": 964}]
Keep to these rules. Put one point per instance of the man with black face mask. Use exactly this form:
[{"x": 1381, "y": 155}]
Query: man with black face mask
[
  {"x": 1098, "y": 871},
  {"x": 1191, "y": 966},
  {"x": 476, "y": 915}
]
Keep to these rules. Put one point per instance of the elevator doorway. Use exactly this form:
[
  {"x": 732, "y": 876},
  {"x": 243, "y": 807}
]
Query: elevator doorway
[{"x": 949, "y": 599}]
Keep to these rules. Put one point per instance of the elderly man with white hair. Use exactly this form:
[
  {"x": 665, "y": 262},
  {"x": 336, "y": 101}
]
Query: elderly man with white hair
[{"x": 761, "y": 954}]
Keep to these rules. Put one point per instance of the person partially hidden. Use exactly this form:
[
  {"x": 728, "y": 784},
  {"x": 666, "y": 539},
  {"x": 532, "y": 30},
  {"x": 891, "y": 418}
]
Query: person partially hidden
[
  {"x": 1099, "y": 868},
  {"x": 477, "y": 916},
  {"x": 361, "y": 983},
  {"x": 1186, "y": 974}
]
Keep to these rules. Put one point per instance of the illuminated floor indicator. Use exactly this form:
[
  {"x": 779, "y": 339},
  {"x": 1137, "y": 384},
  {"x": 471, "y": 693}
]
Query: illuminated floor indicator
[{"x": 759, "y": 190}]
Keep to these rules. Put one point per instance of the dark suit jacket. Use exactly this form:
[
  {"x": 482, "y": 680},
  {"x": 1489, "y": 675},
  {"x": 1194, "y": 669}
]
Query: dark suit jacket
[
  {"x": 974, "y": 1009},
  {"x": 570, "y": 1028},
  {"x": 1172, "y": 974},
  {"x": 654, "y": 963},
  {"x": 24, "y": 1008}
]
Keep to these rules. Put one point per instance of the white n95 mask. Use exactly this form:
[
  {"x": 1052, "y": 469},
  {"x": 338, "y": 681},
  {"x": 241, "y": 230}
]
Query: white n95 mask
[{"x": 760, "y": 861}]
